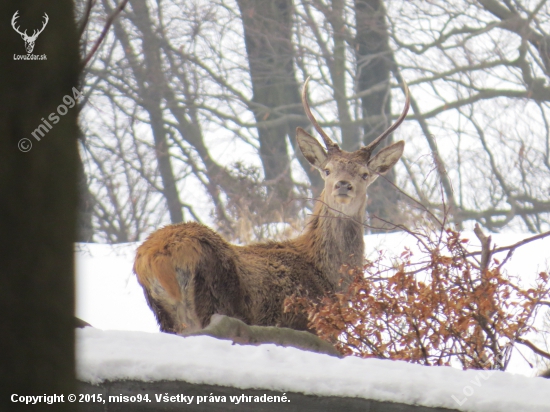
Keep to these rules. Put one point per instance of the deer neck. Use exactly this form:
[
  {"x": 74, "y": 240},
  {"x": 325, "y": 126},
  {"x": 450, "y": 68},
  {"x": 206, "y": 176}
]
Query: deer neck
[{"x": 333, "y": 239}]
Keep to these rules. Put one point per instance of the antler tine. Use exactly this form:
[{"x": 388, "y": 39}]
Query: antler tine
[
  {"x": 394, "y": 126},
  {"x": 14, "y": 22},
  {"x": 37, "y": 32},
  {"x": 330, "y": 145},
  {"x": 46, "y": 20}
]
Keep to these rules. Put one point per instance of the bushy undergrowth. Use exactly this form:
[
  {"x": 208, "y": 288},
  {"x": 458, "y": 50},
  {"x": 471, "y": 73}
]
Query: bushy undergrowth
[{"x": 447, "y": 306}]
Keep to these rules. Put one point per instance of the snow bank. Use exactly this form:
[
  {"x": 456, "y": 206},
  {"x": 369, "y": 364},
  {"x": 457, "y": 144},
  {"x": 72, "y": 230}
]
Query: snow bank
[
  {"x": 108, "y": 295},
  {"x": 119, "y": 355}
]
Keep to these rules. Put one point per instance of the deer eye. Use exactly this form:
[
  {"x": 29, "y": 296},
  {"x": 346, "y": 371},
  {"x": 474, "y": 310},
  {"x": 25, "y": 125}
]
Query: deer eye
[
  {"x": 327, "y": 172},
  {"x": 365, "y": 176}
]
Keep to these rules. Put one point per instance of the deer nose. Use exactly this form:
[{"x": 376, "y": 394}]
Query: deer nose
[{"x": 343, "y": 187}]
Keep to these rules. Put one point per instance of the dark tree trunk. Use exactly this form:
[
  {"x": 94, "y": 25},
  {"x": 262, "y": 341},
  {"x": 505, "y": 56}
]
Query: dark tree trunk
[
  {"x": 373, "y": 71},
  {"x": 153, "y": 94},
  {"x": 38, "y": 192},
  {"x": 268, "y": 31},
  {"x": 151, "y": 83},
  {"x": 85, "y": 230}
]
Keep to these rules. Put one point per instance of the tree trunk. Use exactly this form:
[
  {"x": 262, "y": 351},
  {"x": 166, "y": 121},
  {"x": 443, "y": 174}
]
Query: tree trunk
[
  {"x": 38, "y": 207},
  {"x": 373, "y": 55},
  {"x": 151, "y": 83},
  {"x": 85, "y": 230},
  {"x": 268, "y": 31}
]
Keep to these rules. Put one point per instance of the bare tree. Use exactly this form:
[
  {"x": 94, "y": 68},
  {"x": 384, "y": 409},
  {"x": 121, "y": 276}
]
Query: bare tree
[
  {"x": 196, "y": 77},
  {"x": 485, "y": 111},
  {"x": 267, "y": 27}
]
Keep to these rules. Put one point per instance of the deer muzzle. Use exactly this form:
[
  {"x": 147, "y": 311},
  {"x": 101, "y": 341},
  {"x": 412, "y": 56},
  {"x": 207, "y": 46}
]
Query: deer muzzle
[{"x": 343, "y": 192}]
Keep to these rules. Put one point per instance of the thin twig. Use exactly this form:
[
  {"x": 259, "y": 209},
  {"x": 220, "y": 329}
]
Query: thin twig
[
  {"x": 106, "y": 28},
  {"x": 512, "y": 248}
]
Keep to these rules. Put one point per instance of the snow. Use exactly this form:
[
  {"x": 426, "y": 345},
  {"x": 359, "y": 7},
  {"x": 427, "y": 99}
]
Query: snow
[
  {"x": 125, "y": 344},
  {"x": 108, "y": 295},
  {"x": 117, "y": 355}
]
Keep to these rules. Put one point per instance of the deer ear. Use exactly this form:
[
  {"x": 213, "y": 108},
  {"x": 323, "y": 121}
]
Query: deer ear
[
  {"x": 386, "y": 158},
  {"x": 311, "y": 148}
]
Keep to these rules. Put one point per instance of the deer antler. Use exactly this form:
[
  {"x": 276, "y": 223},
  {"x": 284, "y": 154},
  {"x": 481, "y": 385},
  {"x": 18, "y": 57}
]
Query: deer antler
[
  {"x": 36, "y": 33},
  {"x": 367, "y": 150},
  {"x": 13, "y": 19},
  {"x": 330, "y": 145}
]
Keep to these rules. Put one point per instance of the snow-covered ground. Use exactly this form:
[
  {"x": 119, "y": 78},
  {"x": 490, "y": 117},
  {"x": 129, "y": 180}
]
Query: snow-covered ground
[
  {"x": 146, "y": 356},
  {"x": 126, "y": 344},
  {"x": 108, "y": 295}
]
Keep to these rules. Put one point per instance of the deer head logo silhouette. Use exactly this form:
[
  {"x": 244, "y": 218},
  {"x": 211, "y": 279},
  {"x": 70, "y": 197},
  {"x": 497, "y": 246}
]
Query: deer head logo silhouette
[{"x": 29, "y": 40}]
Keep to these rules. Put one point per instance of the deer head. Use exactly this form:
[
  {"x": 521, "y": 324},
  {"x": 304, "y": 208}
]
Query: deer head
[
  {"x": 29, "y": 40},
  {"x": 348, "y": 174}
]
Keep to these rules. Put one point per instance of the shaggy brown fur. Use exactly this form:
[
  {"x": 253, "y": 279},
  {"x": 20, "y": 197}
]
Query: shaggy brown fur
[{"x": 189, "y": 273}]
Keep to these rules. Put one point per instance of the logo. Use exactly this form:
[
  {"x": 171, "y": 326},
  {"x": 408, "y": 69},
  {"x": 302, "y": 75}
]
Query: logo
[{"x": 29, "y": 40}]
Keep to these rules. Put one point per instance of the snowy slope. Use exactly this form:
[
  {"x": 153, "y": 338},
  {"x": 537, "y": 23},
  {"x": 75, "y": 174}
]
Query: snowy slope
[{"x": 116, "y": 355}]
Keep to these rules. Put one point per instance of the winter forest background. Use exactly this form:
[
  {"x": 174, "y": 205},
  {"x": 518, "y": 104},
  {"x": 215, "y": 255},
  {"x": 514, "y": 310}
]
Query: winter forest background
[
  {"x": 190, "y": 110},
  {"x": 191, "y": 107}
]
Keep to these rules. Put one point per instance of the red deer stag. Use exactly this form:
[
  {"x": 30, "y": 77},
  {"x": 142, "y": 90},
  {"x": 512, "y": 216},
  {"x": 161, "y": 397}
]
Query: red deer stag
[{"x": 189, "y": 273}]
